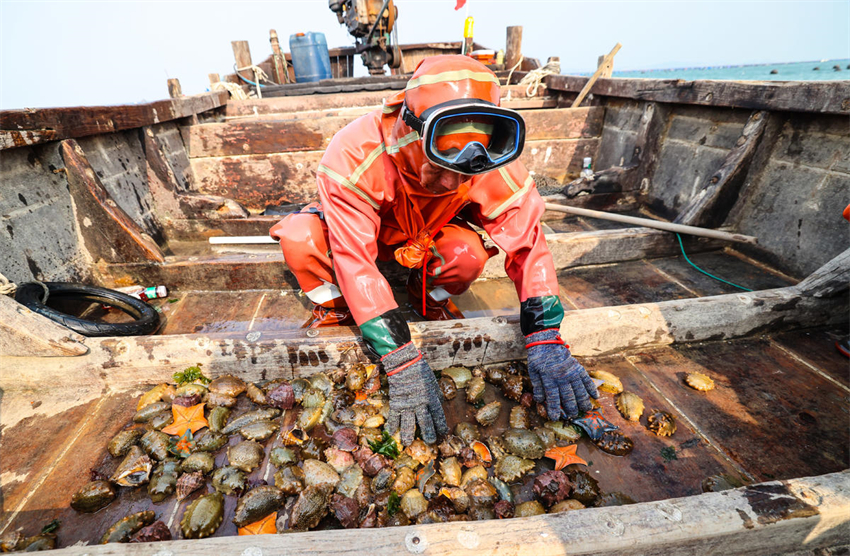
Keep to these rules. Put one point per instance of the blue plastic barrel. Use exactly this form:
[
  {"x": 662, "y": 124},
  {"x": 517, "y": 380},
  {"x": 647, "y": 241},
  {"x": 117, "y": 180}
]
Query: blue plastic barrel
[{"x": 310, "y": 57}]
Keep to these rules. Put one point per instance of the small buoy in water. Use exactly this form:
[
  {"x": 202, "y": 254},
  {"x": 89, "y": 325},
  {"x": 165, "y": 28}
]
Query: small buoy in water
[
  {"x": 848, "y": 66},
  {"x": 773, "y": 72},
  {"x": 816, "y": 68},
  {"x": 836, "y": 67}
]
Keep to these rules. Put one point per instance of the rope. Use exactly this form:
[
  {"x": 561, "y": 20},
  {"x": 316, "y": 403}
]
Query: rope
[
  {"x": 259, "y": 75},
  {"x": 534, "y": 78},
  {"x": 510, "y": 73},
  {"x": 7, "y": 287},
  {"x": 707, "y": 273},
  {"x": 236, "y": 91}
]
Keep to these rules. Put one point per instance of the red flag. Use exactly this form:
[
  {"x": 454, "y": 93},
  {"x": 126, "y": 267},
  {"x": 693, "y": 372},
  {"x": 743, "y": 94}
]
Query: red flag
[{"x": 460, "y": 4}]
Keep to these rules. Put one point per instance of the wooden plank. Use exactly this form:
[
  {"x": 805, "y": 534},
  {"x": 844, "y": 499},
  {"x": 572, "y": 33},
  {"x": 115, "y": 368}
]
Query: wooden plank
[
  {"x": 29, "y": 127},
  {"x": 772, "y": 518},
  {"x": 831, "y": 279},
  {"x": 25, "y": 333},
  {"x": 590, "y": 332},
  {"x": 767, "y": 410},
  {"x": 245, "y": 137},
  {"x": 648, "y": 475},
  {"x": 829, "y": 97},
  {"x": 75, "y": 453},
  {"x": 257, "y": 181},
  {"x": 817, "y": 348},
  {"x": 373, "y": 99},
  {"x": 108, "y": 233},
  {"x": 276, "y": 105},
  {"x": 711, "y": 205},
  {"x": 266, "y": 136},
  {"x": 720, "y": 263},
  {"x": 604, "y": 286},
  {"x": 36, "y": 426}
]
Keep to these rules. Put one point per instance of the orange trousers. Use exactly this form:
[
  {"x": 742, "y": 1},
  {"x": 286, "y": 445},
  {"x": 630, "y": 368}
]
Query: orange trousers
[{"x": 459, "y": 259}]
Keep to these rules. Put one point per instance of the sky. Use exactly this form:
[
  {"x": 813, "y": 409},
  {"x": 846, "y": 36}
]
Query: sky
[{"x": 72, "y": 53}]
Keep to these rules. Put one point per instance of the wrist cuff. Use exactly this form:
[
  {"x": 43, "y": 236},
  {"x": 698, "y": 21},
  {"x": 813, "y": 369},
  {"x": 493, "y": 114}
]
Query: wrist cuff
[
  {"x": 400, "y": 358},
  {"x": 386, "y": 333},
  {"x": 540, "y": 313}
]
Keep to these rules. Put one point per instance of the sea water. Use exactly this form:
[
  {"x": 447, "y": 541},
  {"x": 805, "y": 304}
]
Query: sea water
[{"x": 796, "y": 71}]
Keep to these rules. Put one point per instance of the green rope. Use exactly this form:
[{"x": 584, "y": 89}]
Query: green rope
[{"x": 707, "y": 273}]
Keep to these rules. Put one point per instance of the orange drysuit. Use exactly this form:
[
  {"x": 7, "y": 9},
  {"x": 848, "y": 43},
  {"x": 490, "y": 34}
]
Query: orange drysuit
[{"x": 374, "y": 206}]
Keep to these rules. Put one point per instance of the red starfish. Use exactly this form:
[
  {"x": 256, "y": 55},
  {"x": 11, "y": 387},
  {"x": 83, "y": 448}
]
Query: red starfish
[
  {"x": 186, "y": 418},
  {"x": 564, "y": 456}
]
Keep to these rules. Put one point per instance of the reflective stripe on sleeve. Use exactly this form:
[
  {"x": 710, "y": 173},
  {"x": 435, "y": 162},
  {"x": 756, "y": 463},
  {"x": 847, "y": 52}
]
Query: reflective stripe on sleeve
[{"x": 517, "y": 194}]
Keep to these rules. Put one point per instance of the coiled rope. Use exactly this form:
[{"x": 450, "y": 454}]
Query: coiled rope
[{"x": 534, "y": 79}]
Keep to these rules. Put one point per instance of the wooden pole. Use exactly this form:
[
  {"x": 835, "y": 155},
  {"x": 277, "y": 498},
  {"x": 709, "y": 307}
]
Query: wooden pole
[
  {"x": 609, "y": 59},
  {"x": 658, "y": 225},
  {"x": 214, "y": 78},
  {"x": 513, "y": 46},
  {"x": 281, "y": 75},
  {"x": 242, "y": 54},
  {"x": 174, "y": 89}
]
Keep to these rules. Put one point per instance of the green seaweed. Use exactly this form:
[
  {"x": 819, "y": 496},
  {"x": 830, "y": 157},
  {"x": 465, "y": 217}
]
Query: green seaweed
[
  {"x": 190, "y": 375},
  {"x": 386, "y": 446},
  {"x": 393, "y": 504}
]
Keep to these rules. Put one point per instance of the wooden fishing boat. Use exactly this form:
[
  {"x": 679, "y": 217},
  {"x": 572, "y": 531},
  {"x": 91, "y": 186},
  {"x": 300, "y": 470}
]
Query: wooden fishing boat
[{"x": 125, "y": 195}]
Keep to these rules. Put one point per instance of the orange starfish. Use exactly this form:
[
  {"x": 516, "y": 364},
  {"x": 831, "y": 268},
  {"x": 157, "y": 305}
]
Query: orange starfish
[
  {"x": 191, "y": 418},
  {"x": 265, "y": 526},
  {"x": 564, "y": 456}
]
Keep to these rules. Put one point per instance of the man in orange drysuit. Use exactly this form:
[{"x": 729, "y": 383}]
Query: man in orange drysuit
[{"x": 404, "y": 182}]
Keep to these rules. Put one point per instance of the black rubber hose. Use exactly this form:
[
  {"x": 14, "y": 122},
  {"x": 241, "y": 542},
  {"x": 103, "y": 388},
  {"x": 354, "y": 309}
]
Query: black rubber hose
[{"x": 146, "y": 318}]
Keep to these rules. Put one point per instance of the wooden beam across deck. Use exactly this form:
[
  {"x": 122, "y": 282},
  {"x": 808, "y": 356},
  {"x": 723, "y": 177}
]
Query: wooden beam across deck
[
  {"x": 265, "y": 136},
  {"x": 257, "y": 181},
  {"x": 276, "y": 105}
]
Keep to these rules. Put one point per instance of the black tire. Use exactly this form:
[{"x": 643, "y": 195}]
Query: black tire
[{"x": 147, "y": 319}]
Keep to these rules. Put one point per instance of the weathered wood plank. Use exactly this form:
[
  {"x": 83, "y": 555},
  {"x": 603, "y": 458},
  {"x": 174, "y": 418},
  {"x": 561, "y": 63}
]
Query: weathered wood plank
[
  {"x": 25, "y": 333},
  {"x": 829, "y": 97},
  {"x": 108, "y": 233},
  {"x": 711, "y": 205},
  {"x": 29, "y": 127},
  {"x": 817, "y": 348},
  {"x": 774, "y": 518},
  {"x": 590, "y": 332},
  {"x": 266, "y": 136},
  {"x": 275, "y": 105},
  {"x": 575, "y": 249},
  {"x": 831, "y": 279},
  {"x": 767, "y": 410},
  {"x": 256, "y": 181}
]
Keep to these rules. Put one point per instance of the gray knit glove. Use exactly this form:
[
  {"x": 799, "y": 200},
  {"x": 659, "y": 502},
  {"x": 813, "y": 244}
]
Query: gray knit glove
[
  {"x": 557, "y": 378},
  {"x": 414, "y": 396}
]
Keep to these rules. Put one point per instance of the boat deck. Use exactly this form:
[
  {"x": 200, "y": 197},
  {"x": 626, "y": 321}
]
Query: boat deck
[{"x": 779, "y": 411}]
